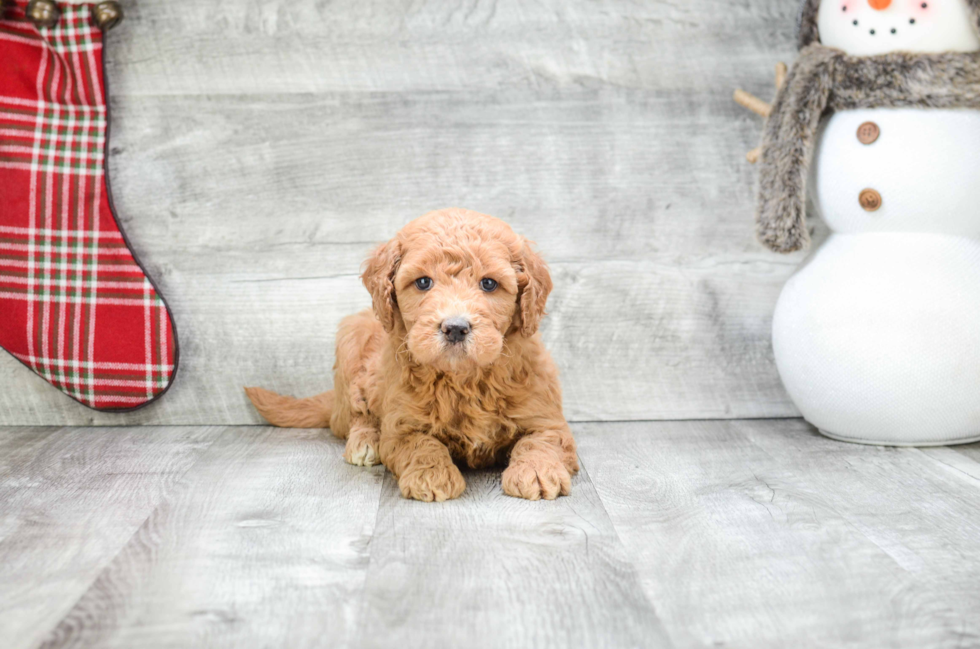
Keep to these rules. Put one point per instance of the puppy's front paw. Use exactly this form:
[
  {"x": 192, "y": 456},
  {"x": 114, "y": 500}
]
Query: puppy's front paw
[
  {"x": 537, "y": 476},
  {"x": 362, "y": 451},
  {"x": 363, "y": 441},
  {"x": 438, "y": 483}
]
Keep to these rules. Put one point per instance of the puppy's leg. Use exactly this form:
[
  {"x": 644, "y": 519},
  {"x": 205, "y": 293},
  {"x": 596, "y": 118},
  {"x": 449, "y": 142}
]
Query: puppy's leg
[
  {"x": 362, "y": 442},
  {"x": 541, "y": 465},
  {"x": 422, "y": 465},
  {"x": 359, "y": 341}
]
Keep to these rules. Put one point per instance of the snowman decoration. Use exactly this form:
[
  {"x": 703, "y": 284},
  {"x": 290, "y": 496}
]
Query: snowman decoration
[{"x": 877, "y": 336}]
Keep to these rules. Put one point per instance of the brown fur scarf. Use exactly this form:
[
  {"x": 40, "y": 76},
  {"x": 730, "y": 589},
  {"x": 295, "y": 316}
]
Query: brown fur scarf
[{"x": 825, "y": 80}]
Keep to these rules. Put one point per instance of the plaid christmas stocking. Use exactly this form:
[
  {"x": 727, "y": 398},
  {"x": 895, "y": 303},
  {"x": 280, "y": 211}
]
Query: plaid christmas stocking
[{"x": 75, "y": 304}]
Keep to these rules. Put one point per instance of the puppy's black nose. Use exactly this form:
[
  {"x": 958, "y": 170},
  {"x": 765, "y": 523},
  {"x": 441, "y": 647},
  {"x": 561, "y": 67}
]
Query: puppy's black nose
[{"x": 455, "y": 329}]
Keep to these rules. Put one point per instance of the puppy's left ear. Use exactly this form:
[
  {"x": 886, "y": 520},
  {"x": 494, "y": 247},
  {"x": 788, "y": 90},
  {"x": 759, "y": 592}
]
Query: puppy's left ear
[
  {"x": 533, "y": 287},
  {"x": 379, "y": 279}
]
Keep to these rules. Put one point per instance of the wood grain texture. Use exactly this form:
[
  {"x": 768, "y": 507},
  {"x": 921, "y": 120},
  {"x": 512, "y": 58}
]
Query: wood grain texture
[
  {"x": 70, "y": 499},
  {"x": 766, "y": 534},
  {"x": 689, "y": 534},
  {"x": 489, "y": 570},
  {"x": 969, "y": 450},
  {"x": 264, "y": 544},
  {"x": 261, "y": 148}
]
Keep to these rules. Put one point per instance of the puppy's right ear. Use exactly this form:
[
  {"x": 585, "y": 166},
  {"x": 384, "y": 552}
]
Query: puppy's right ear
[{"x": 379, "y": 279}]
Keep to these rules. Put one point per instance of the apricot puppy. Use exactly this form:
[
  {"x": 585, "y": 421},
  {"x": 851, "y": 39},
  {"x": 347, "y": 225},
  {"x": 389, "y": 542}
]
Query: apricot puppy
[{"x": 448, "y": 367}]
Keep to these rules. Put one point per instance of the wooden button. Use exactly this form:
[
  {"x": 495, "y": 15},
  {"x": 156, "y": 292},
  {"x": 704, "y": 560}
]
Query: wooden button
[
  {"x": 870, "y": 200},
  {"x": 868, "y": 133}
]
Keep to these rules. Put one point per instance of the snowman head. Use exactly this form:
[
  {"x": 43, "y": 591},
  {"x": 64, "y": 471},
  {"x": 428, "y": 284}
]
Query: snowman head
[{"x": 869, "y": 27}]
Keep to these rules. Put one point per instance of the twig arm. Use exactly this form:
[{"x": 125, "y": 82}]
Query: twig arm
[
  {"x": 753, "y": 103},
  {"x": 759, "y": 107}
]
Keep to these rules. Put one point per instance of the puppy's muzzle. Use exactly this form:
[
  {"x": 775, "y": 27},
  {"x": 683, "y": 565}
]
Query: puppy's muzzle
[{"x": 455, "y": 329}]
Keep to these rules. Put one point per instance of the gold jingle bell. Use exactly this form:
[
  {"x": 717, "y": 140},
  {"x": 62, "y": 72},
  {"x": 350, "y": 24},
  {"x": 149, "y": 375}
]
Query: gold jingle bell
[
  {"x": 43, "y": 13},
  {"x": 107, "y": 14}
]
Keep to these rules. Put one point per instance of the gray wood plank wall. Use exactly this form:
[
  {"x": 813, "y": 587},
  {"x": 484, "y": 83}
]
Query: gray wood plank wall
[{"x": 260, "y": 148}]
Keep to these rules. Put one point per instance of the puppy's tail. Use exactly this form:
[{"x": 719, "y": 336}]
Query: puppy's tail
[{"x": 311, "y": 412}]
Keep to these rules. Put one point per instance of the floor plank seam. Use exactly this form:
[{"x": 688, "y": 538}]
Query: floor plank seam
[
  {"x": 627, "y": 555},
  {"x": 265, "y": 425},
  {"x": 362, "y": 595},
  {"x": 47, "y": 642},
  {"x": 681, "y": 420}
]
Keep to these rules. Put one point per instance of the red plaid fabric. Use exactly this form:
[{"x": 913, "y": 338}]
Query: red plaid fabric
[{"x": 75, "y": 305}]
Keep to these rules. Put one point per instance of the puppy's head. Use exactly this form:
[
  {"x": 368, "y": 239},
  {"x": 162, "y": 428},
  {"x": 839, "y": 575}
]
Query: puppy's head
[{"x": 454, "y": 284}]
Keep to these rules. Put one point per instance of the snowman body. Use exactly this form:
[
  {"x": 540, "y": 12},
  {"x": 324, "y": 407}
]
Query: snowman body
[{"x": 877, "y": 337}]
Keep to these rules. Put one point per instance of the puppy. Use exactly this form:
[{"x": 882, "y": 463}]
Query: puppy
[{"x": 448, "y": 367}]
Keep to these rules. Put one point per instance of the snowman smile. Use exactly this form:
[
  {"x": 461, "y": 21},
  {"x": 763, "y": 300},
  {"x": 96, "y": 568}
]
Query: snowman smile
[
  {"x": 880, "y": 22},
  {"x": 874, "y": 26},
  {"x": 870, "y": 27}
]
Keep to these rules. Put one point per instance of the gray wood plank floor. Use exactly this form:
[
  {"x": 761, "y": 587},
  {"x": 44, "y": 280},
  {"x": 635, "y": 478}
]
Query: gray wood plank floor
[
  {"x": 737, "y": 533},
  {"x": 261, "y": 147}
]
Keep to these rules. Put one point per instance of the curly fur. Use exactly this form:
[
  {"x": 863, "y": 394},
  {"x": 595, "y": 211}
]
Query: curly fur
[
  {"x": 824, "y": 80},
  {"x": 406, "y": 397}
]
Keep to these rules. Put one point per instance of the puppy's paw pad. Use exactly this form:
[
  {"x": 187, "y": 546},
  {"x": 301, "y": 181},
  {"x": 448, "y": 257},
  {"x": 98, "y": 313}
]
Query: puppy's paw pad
[
  {"x": 437, "y": 483},
  {"x": 363, "y": 454},
  {"x": 536, "y": 478}
]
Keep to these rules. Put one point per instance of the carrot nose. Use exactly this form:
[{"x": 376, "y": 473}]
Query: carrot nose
[{"x": 879, "y": 4}]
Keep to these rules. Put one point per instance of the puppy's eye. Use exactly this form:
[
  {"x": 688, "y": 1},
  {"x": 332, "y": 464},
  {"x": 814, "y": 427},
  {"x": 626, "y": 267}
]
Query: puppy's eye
[
  {"x": 488, "y": 284},
  {"x": 423, "y": 283}
]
